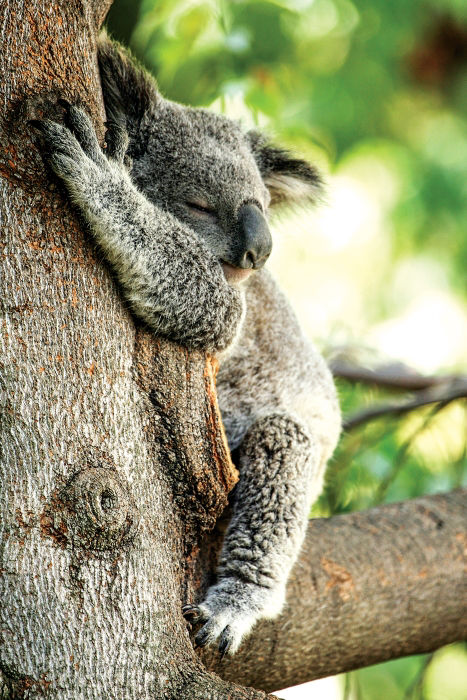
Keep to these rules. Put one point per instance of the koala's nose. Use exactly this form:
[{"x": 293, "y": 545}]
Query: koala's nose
[{"x": 254, "y": 241}]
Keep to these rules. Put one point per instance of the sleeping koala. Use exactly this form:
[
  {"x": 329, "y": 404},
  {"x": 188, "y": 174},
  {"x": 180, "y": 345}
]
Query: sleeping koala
[{"x": 178, "y": 202}]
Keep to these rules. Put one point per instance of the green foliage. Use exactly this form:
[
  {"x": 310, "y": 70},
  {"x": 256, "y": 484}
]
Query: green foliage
[
  {"x": 376, "y": 91},
  {"x": 439, "y": 676},
  {"x": 391, "y": 459}
]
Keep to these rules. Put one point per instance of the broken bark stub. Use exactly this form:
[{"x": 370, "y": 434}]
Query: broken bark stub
[{"x": 181, "y": 388}]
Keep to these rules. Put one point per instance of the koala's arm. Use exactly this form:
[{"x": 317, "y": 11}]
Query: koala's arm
[
  {"x": 281, "y": 416},
  {"x": 167, "y": 274}
]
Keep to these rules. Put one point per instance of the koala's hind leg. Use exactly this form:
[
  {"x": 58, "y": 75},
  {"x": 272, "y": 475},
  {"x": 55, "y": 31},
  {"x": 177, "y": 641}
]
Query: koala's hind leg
[{"x": 271, "y": 502}]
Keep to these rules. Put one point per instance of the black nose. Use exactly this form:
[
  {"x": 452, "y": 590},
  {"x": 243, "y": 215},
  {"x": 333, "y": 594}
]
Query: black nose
[{"x": 253, "y": 241}]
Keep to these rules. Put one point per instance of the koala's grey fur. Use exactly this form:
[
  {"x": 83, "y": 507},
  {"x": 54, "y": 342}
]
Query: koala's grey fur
[{"x": 276, "y": 394}]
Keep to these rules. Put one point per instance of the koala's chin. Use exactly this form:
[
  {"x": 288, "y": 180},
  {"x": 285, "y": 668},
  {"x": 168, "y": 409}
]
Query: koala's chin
[{"x": 235, "y": 275}]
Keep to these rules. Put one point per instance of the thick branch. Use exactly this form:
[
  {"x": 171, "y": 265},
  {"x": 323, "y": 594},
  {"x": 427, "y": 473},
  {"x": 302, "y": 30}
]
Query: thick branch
[
  {"x": 368, "y": 587},
  {"x": 113, "y": 454}
]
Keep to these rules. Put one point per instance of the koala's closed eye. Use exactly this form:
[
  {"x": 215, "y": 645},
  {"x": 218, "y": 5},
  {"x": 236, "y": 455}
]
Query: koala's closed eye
[{"x": 201, "y": 207}]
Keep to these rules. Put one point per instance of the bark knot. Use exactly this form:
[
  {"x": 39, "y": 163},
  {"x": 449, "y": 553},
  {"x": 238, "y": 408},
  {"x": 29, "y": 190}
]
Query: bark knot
[{"x": 94, "y": 511}]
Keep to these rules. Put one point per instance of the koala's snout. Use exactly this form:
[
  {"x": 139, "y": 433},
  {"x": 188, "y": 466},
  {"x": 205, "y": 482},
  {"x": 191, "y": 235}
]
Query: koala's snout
[{"x": 253, "y": 241}]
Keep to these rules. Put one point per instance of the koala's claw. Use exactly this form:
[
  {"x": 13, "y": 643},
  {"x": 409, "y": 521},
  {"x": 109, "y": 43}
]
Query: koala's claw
[
  {"x": 74, "y": 154},
  {"x": 202, "y": 638},
  {"x": 72, "y": 148},
  {"x": 188, "y": 609},
  {"x": 225, "y": 628},
  {"x": 207, "y": 633},
  {"x": 225, "y": 642},
  {"x": 75, "y": 139},
  {"x": 230, "y": 611},
  {"x": 82, "y": 128},
  {"x": 61, "y": 148},
  {"x": 191, "y": 612},
  {"x": 116, "y": 139},
  {"x": 64, "y": 103}
]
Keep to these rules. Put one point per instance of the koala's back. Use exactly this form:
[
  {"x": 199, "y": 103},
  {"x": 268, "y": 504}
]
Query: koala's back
[{"x": 273, "y": 368}]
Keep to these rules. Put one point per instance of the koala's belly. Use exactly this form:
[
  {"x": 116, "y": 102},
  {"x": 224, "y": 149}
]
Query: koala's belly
[{"x": 246, "y": 390}]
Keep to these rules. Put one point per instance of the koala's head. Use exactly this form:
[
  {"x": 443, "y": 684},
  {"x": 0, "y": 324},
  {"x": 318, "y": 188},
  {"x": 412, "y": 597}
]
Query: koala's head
[{"x": 202, "y": 167}]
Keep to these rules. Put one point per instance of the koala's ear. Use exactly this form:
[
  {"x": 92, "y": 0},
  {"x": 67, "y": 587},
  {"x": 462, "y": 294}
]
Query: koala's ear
[
  {"x": 289, "y": 180},
  {"x": 129, "y": 90}
]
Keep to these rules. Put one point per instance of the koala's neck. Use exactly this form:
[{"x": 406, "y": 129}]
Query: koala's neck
[{"x": 225, "y": 354}]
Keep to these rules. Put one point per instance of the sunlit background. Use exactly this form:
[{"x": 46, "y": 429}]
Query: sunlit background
[{"x": 375, "y": 93}]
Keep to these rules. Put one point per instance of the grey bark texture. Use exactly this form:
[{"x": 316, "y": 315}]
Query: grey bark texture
[{"x": 114, "y": 467}]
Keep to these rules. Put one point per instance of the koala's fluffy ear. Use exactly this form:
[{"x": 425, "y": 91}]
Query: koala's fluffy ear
[
  {"x": 289, "y": 180},
  {"x": 130, "y": 93}
]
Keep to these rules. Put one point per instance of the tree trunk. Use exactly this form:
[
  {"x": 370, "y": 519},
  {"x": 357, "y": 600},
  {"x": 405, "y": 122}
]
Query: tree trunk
[
  {"x": 115, "y": 468},
  {"x": 114, "y": 460}
]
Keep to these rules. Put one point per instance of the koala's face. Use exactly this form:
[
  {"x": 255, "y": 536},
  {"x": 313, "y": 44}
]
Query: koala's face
[{"x": 201, "y": 168}]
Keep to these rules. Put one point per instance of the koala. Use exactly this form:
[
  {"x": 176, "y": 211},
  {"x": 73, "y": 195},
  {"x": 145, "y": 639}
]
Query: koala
[{"x": 179, "y": 203}]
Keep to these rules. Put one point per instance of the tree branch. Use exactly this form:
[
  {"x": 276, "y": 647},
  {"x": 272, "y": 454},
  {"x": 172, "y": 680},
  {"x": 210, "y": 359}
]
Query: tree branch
[
  {"x": 390, "y": 376},
  {"x": 368, "y": 587},
  {"x": 441, "y": 393}
]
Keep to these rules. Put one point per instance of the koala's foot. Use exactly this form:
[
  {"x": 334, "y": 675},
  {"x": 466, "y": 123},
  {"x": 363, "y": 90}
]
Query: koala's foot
[{"x": 230, "y": 610}]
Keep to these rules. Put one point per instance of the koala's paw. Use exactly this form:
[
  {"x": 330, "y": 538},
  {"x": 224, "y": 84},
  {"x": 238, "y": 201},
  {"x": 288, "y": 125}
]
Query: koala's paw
[
  {"x": 229, "y": 612},
  {"x": 74, "y": 154},
  {"x": 72, "y": 151}
]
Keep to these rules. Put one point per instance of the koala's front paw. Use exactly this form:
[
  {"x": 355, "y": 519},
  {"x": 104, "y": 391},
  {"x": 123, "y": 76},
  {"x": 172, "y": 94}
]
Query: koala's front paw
[
  {"x": 73, "y": 153},
  {"x": 229, "y": 612}
]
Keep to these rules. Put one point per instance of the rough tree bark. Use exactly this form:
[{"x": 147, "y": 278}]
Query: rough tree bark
[{"x": 114, "y": 466}]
